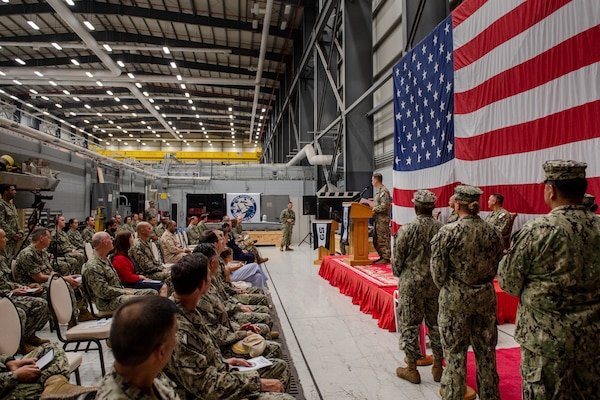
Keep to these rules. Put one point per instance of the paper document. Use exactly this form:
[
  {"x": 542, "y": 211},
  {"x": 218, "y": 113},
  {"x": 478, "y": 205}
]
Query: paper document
[{"x": 257, "y": 363}]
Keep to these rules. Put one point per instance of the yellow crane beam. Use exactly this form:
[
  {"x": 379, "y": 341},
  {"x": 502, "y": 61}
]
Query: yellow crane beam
[{"x": 221, "y": 156}]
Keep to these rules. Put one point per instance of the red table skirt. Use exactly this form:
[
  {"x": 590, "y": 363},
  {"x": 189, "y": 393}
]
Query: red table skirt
[{"x": 378, "y": 301}]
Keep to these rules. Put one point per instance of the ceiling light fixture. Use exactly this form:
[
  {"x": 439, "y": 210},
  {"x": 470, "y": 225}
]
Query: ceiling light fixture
[
  {"x": 89, "y": 74},
  {"x": 107, "y": 47},
  {"x": 132, "y": 76},
  {"x": 20, "y": 61},
  {"x": 33, "y": 25},
  {"x": 166, "y": 50},
  {"x": 187, "y": 94},
  {"x": 139, "y": 85},
  {"x": 120, "y": 63},
  {"x": 56, "y": 46},
  {"x": 74, "y": 61},
  {"x": 99, "y": 83},
  {"x": 17, "y": 82},
  {"x": 66, "y": 92},
  {"x": 88, "y": 106},
  {"x": 38, "y": 73},
  {"x": 182, "y": 85},
  {"x": 173, "y": 65},
  {"x": 33, "y": 91},
  {"x": 89, "y": 25},
  {"x": 58, "y": 105},
  {"x": 52, "y": 83},
  {"x": 45, "y": 98},
  {"x": 179, "y": 77}
]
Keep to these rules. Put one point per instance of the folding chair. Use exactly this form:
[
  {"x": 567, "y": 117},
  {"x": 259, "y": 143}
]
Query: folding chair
[
  {"x": 61, "y": 310},
  {"x": 10, "y": 335}
]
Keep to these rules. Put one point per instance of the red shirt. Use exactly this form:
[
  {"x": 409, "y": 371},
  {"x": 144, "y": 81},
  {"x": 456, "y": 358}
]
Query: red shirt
[{"x": 124, "y": 267}]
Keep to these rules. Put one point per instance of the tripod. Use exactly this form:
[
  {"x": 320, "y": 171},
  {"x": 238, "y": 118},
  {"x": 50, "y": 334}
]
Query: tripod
[{"x": 309, "y": 234}]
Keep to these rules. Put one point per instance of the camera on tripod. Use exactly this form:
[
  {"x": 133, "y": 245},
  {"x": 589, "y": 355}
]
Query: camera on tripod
[{"x": 39, "y": 198}]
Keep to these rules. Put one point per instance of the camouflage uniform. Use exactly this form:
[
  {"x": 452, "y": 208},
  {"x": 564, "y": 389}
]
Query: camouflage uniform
[
  {"x": 114, "y": 387},
  {"x": 253, "y": 296},
  {"x": 76, "y": 239},
  {"x": 147, "y": 265},
  {"x": 499, "y": 219},
  {"x": 553, "y": 266},
  {"x": 202, "y": 227},
  {"x": 286, "y": 227},
  {"x": 107, "y": 291},
  {"x": 453, "y": 217},
  {"x": 87, "y": 234},
  {"x": 198, "y": 367},
  {"x": 159, "y": 229},
  {"x": 10, "y": 388},
  {"x": 9, "y": 222},
  {"x": 226, "y": 332},
  {"x": 193, "y": 234},
  {"x": 464, "y": 259},
  {"x": 35, "y": 309},
  {"x": 150, "y": 213},
  {"x": 381, "y": 223},
  {"x": 418, "y": 294},
  {"x": 64, "y": 251},
  {"x": 126, "y": 227}
]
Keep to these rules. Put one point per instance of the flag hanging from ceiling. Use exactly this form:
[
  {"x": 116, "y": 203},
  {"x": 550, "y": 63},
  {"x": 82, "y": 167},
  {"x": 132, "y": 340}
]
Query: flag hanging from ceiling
[{"x": 496, "y": 89}]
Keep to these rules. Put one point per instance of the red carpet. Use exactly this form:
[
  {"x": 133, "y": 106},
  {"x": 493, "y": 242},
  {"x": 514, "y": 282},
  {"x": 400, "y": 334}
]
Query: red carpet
[{"x": 507, "y": 363}]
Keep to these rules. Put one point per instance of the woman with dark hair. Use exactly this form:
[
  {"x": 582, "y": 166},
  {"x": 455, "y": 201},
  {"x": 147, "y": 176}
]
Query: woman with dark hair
[{"x": 125, "y": 266}]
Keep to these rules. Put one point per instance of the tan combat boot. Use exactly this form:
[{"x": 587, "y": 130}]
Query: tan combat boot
[
  {"x": 409, "y": 373},
  {"x": 437, "y": 369},
  {"x": 58, "y": 387}
]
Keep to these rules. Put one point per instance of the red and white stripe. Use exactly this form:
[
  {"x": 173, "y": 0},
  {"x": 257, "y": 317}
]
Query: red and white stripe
[{"x": 526, "y": 91}]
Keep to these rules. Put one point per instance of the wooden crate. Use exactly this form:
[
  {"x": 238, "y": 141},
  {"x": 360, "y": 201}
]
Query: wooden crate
[{"x": 266, "y": 238}]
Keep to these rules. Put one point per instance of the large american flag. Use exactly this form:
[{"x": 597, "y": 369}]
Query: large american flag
[{"x": 499, "y": 87}]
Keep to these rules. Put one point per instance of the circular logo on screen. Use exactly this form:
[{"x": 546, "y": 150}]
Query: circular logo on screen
[{"x": 244, "y": 206}]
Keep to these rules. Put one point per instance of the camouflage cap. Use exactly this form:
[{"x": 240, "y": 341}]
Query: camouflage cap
[
  {"x": 560, "y": 170},
  {"x": 467, "y": 194},
  {"x": 588, "y": 199},
  {"x": 424, "y": 198}
]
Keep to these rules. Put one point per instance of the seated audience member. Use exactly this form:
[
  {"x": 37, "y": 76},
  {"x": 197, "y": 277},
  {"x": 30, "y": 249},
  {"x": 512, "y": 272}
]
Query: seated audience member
[
  {"x": 74, "y": 236},
  {"x": 135, "y": 218},
  {"x": 202, "y": 224},
  {"x": 125, "y": 268},
  {"x": 63, "y": 249},
  {"x": 126, "y": 225},
  {"x": 151, "y": 212},
  {"x": 197, "y": 365},
  {"x": 33, "y": 311},
  {"x": 229, "y": 294},
  {"x": 172, "y": 250},
  {"x": 142, "y": 336},
  {"x": 225, "y": 330},
  {"x": 238, "y": 253},
  {"x": 141, "y": 254},
  {"x": 162, "y": 225},
  {"x": 238, "y": 271},
  {"x": 89, "y": 229},
  {"x": 499, "y": 218},
  {"x": 33, "y": 268},
  {"x": 102, "y": 280},
  {"x": 193, "y": 232},
  {"x": 154, "y": 235},
  {"x": 22, "y": 379},
  {"x": 111, "y": 227}
]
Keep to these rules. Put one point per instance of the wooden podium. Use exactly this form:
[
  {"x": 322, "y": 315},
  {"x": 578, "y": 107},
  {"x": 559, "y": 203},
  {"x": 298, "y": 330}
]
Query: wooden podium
[
  {"x": 359, "y": 235},
  {"x": 322, "y": 250}
]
